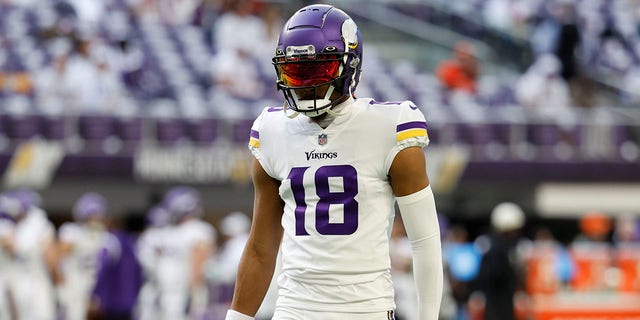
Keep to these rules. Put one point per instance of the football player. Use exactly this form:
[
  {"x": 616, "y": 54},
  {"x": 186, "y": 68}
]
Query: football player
[
  {"x": 150, "y": 248},
  {"x": 328, "y": 171},
  {"x": 234, "y": 228},
  {"x": 7, "y": 264},
  {"x": 81, "y": 242},
  {"x": 32, "y": 248},
  {"x": 181, "y": 273}
]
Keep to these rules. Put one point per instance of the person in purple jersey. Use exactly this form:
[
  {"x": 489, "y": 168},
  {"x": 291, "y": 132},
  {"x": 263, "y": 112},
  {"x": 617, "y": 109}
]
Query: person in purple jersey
[
  {"x": 119, "y": 277},
  {"x": 328, "y": 171}
]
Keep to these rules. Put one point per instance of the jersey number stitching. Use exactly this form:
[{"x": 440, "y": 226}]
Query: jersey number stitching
[{"x": 326, "y": 198}]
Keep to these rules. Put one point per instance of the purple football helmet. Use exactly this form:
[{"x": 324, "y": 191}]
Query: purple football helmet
[
  {"x": 318, "y": 59},
  {"x": 28, "y": 197},
  {"x": 90, "y": 205},
  {"x": 158, "y": 216},
  {"x": 183, "y": 201},
  {"x": 11, "y": 207},
  {"x": 16, "y": 203}
]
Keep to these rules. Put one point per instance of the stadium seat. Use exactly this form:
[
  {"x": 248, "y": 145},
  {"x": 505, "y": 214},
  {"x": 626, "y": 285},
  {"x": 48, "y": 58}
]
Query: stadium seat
[
  {"x": 130, "y": 131},
  {"x": 3, "y": 126},
  {"x": 24, "y": 127},
  {"x": 170, "y": 131},
  {"x": 95, "y": 127},
  {"x": 478, "y": 136},
  {"x": 55, "y": 128},
  {"x": 95, "y": 130},
  {"x": 203, "y": 131},
  {"x": 240, "y": 132}
]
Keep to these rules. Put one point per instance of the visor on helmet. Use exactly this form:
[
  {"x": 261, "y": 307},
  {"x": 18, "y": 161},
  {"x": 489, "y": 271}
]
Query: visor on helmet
[{"x": 304, "y": 73}]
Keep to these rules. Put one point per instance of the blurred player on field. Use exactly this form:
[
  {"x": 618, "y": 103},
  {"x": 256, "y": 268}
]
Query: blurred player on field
[
  {"x": 34, "y": 258},
  {"x": 222, "y": 268},
  {"x": 181, "y": 273},
  {"x": 80, "y": 244},
  {"x": 7, "y": 263},
  {"x": 328, "y": 171},
  {"x": 501, "y": 271},
  {"x": 119, "y": 277},
  {"x": 150, "y": 248}
]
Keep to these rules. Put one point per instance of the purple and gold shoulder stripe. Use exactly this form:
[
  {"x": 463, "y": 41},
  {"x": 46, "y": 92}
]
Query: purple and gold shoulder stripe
[
  {"x": 254, "y": 139},
  {"x": 411, "y": 129}
]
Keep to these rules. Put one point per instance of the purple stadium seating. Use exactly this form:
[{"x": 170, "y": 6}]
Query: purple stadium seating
[
  {"x": 129, "y": 129},
  {"x": 55, "y": 127},
  {"x": 546, "y": 134},
  {"x": 24, "y": 127},
  {"x": 170, "y": 131},
  {"x": 96, "y": 127},
  {"x": 130, "y": 132},
  {"x": 203, "y": 131},
  {"x": 95, "y": 130},
  {"x": 3, "y": 127},
  {"x": 241, "y": 130}
]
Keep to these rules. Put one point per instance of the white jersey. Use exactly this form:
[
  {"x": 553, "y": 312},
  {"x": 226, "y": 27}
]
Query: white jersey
[
  {"x": 80, "y": 266},
  {"x": 339, "y": 206},
  {"x": 33, "y": 287},
  {"x": 149, "y": 250},
  {"x": 86, "y": 242},
  {"x": 225, "y": 265},
  {"x": 6, "y": 235},
  {"x": 175, "y": 262},
  {"x": 7, "y": 268},
  {"x": 175, "y": 268}
]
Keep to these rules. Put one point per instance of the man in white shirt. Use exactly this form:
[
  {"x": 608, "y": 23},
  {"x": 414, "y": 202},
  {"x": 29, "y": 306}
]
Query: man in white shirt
[
  {"x": 80, "y": 244},
  {"x": 328, "y": 170},
  {"x": 33, "y": 256},
  {"x": 190, "y": 245}
]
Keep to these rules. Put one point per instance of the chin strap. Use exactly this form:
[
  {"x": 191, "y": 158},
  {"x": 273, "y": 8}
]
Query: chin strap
[
  {"x": 335, "y": 114},
  {"x": 286, "y": 106},
  {"x": 338, "y": 111}
]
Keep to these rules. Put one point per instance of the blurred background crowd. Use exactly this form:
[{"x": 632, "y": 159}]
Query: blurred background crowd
[{"x": 106, "y": 107}]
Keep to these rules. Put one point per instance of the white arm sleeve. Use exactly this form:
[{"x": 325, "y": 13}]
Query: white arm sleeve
[
  {"x": 235, "y": 315},
  {"x": 420, "y": 219}
]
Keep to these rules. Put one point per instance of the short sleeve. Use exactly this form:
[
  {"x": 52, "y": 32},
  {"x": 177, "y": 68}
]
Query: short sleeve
[
  {"x": 254, "y": 135},
  {"x": 257, "y": 149},
  {"x": 6, "y": 228},
  {"x": 411, "y": 127},
  {"x": 199, "y": 231},
  {"x": 69, "y": 233}
]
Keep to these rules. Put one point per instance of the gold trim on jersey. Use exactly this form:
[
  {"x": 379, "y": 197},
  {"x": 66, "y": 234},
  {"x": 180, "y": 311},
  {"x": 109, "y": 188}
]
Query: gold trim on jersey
[
  {"x": 253, "y": 142},
  {"x": 411, "y": 133}
]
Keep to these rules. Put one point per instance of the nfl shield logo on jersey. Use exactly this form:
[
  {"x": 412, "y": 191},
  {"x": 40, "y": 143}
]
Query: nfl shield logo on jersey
[{"x": 322, "y": 139}]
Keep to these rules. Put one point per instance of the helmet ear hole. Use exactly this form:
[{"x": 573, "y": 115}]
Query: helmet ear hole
[{"x": 354, "y": 63}]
